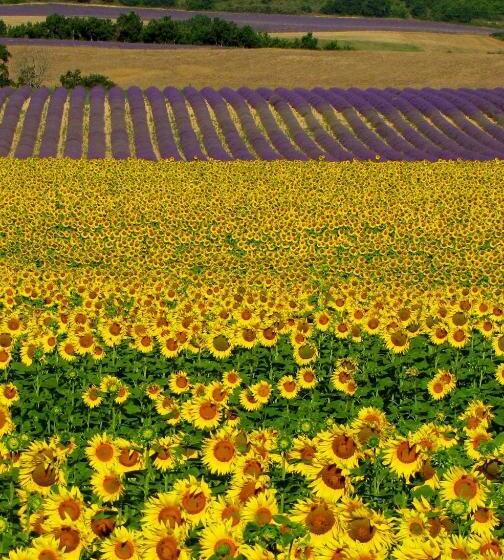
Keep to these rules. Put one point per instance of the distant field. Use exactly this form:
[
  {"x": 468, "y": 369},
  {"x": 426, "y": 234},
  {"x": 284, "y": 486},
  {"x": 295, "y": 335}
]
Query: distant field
[
  {"x": 272, "y": 67},
  {"x": 408, "y": 41}
]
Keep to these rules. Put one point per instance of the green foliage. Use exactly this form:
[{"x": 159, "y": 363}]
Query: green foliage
[
  {"x": 73, "y": 78},
  {"x": 498, "y": 35},
  {"x": 129, "y": 28},
  {"x": 200, "y": 4},
  {"x": 4, "y": 69}
]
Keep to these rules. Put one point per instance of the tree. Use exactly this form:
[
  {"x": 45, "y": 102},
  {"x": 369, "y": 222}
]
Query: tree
[
  {"x": 129, "y": 28},
  {"x": 4, "y": 69},
  {"x": 32, "y": 70},
  {"x": 200, "y": 4},
  {"x": 74, "y": 78},
  {"x": 163, "y": 30},
  {"x": 376, "y": 8}
]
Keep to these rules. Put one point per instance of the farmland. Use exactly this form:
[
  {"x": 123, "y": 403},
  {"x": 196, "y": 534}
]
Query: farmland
[
  {"x": 252, "y": 299},
  {"x": 246, "y": 124}
]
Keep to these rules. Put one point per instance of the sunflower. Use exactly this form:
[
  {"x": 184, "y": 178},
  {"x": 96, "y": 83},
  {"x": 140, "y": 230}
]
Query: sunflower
[
  {"x": 342, "y": 378},
  {"x": 246, "y": 337},
  {"x": 370, "y": 422},
  {"x": 231, "y": 379},
  {"x": 459, "y": 484},
  {"x": 164, "y": 405},
  {"x": 484, "y": 520},
  {"x": 46, "y": 548},
  {"x": 179, "y": 382},
  {"x": 109, "y": 383},
  {"x": 458, "y": 547},
  {"x": 477, "y": 416},
  {"x": 102, "y": 452},
  {"x": 5, "y": 358},
  {"x": 244, "y": 488},
  {"x": 153, "y": 391},
  {"x": 261, "y": 391},
  {"x": 9, "y": 394},
  {"x": 19, "y": 554},
  {"x": 498, "y": 344},
  {"x": 256, "y": 552},
  {"x": 340, "y": 444},
  {"x": 219, "y": 452},
  {"x": 249, "y": 401},
  {"x": 130, "y": 457},
  {"x": 288, "y": 387},
  {"x": 327, "y": 480},
  {"x": 489, "y": 547},
  {"x": 164, "y": 509},
  {"x": 91, "y": 397},
  {"x": 220, "y": 541},
  {"x": 458, "y": 338},
  {"x": 122, "y": 394},
  {"x": 102, "y": 520},
  {"x": 226, "y": 510},
  {"x": 302, "y": 454},
  {"x": 397, "y": 341},
  {"x": 441, "y": 384},
  {"x": 367, "y": 529},
  {"x": 319, "y": 517},
  {"x": 6, "y": 423},
  {"x": 305, "y": 354},
  {"x": 107, "y": 485},
  {"x": 354, "y": 553},
  {"x": 112, "y": 331},
  {"x": 72, "y": 537},
  {"x": 418, "y": 550},
  {"x": 403, "y": 457},
  {"x": 67, "y": 349},
  {"x": 65, "y": 504},
  {"x": 217, "y": 392},
  {"x": 475, "y": 439},
  {"x": 40, "y": 467},
  {"x": 162, "y": 543},
  {"x": 413, "y": 525},
  {"x": 195, "y": 498},
  {"x": 499, "y": 374},
  {"x": 122, "y": 544},
  {"x": 205, "y": 414},
  {"x": 166, "y": 452},
  {"x": 307, "y": 378},
  {"x": 260, "y": 509},
  {"x": 220, "y": 344}
]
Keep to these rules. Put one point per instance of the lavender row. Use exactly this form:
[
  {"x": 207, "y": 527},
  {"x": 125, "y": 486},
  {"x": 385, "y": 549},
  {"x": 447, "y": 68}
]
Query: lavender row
[{"x": 299, "y": 124}]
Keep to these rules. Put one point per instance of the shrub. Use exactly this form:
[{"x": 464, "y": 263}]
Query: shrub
[
  {"x": 4, "y": 69},
  {"x": 129, "y": 28},
  {"x": 32, "y": 70},
  {"x": 200, "y": 4},
  {"x": 73, "y": 78}
]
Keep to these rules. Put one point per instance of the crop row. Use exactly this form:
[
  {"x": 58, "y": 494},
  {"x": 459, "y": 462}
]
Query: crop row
[{"x": 247, "y": 124}]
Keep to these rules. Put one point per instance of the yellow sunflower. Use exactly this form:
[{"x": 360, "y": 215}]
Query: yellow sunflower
[
  {"x": 319, "y": 517},
  {"x": 122, "y": 544},
  {"x": 91, "y": 397},
  {"x": 327, "y": 480},
  {"x": 484, "y": 520},
  {"x": 6, "y": 423},
  {"x": 166, "y": 452},
  {"x": 403, "y": 457},
  {"x": 441, "y": 384},
  {"x": 226, "y": 510},
  {"x": 162, "y": 543},
  {"x": 367, "y": 530},
  {"x": 219, "y": 452},
  {"x": 249, "y": 401},
  {"x": 108, "y": 485},
  {"x": 459, "y": 484},
  {"x": 195, "y": 498},
  {"x": 220, "y": 541},
  {"x": 164, "y": 509},
  {"x": 204, "y": 414},
  {"x": 341, "y": 445},
  {"x": 179, "y": 382},
  {"x": 499, "y": 374},
  {"x": 307, "y": 378},
  {"x": 260, "y": 509},
  {"x": 288, "y": 387},
  {"x": 261, "y": 391},
  {"x": 46, "y": 547},
  {"x": 231, "y": 379},
  {"x": 65, "y": 504},
  {"x": 102, "y": 452}
]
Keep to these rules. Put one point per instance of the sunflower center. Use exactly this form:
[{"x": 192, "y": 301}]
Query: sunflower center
[
  {"x": 221, "y": 343},
  {"x": 5, "y": 340},
  {"x": 492, "y": 547},
  {"x": 482, "y": 515},
  {"x": 438, "y": 387},
  {"x": 367, "y": 432},
  {"x": 427, "y": 471},
  {"x": 43, "y": 476},
  {"x": 248, "y": 490},
  {"x": 224, "y": 451},
  {"x": 307, "y": 453},
  {"x": 103, "y": 527},
  {"x": 47, "y": 555},
  {"x": 252, "y": 468},
  {"x": 263, "y": 390},
  {"x": 289, "y": 386},
  {"x": 333, "y": 477},
  {"x": 406, "y": 453},
  {"x": 361, "y": 530},
  {"x": 115, "y": 329},
  {"x": 269, "y": 333},
  {"x": 111, "y": 484},
  {"x": 170, "y": 515},
  {"x": 343, "y": 446},
  {"x": 308, "y": 376},
  {"x": 465, "y": 487},
  {"x": 104, "y": 452},
  {"x": 194, "y": 503},
  {"x": 399, "y": 339},
  {"x": 435, "y": 526},
  {"x": 233, "y": 513},
  {"x": 3, "y": 418},
  {"x": 181, "y": 382},
  {"x": 263, "y": 516},
  {"x": 69, "y": 539},
  {"x": 459, "y": 335},
  {"x": 232, "y": 377},
  {"x": 500, "y": 343},
  {"x": 226, "y": 548},
  {"x": 70, "y": 508},
  {"x": 416, "y": 528},
  {"x": 167, "y": 549},
  {"x": 249, "y": 335},
  {"x": 4, "y": 356},
  {"x": 86, "y": 341},
  {"x": 306, "y": 352},
  {"x": 208, "y": 411},
  {"x": 320, "y": 520},
  {"x": 129, "y": 457},
  {"x": 124, "y": 550},
  {"x": 458, "y": 554},
  {"x": 10, "y": 392}
]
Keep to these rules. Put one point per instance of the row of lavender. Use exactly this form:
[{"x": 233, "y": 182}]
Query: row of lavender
[{"x": 297, "y": 124}]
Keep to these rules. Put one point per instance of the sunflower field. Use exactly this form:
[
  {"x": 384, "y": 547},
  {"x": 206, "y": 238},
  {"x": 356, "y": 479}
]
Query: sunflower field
[{"x": 251, "y": 360}]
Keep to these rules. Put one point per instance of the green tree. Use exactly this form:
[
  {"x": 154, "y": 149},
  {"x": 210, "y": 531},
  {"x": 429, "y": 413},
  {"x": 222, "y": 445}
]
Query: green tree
[
  {"x": 129, "y": 28},
  {"x": 4, "y": 69}
]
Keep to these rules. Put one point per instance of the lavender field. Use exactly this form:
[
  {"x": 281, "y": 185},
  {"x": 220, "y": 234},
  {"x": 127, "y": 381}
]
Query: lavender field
[{"x": 248, "y": 124}]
